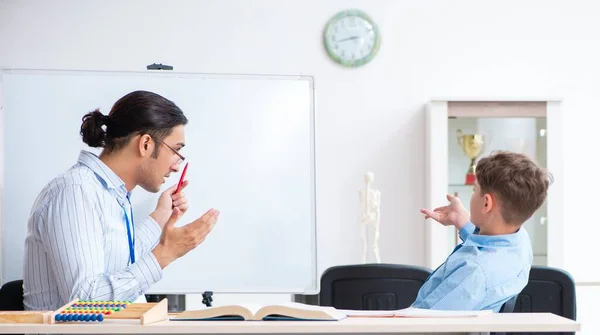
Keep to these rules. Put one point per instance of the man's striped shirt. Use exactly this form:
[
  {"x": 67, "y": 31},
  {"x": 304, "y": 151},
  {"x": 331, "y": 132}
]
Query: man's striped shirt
[{"x": 77, "y": 244}]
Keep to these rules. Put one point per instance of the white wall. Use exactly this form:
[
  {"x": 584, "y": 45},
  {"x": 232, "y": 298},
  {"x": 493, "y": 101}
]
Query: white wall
[{"x": 368, "y": 118}]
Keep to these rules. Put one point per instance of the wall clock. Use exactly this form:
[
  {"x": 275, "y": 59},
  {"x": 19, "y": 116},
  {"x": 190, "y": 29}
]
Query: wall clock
[{"x": 351, "y": 38}]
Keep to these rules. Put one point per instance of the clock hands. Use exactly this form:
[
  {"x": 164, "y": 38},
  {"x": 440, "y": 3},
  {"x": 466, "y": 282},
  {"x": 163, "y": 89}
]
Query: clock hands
[
  {"x": 349, "y": 39},
  {"x": 353, "y": 37}
]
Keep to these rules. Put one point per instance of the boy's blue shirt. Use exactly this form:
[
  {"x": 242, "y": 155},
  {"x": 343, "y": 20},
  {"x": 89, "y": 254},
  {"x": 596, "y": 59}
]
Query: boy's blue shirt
[{"x": 481, "y": 273}]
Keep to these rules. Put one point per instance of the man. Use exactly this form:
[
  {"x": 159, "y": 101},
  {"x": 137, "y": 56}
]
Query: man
[
  {"x": 82, "y": 241},
  {"x": 492, "y": 264}
]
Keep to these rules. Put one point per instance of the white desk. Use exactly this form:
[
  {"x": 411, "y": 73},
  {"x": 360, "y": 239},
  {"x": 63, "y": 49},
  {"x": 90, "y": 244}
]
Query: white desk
[{"x": 517, "y": 322}]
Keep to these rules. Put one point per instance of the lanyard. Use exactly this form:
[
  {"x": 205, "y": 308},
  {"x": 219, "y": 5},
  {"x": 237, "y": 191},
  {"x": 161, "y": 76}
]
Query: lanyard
[{"x": 130, "y": 238}]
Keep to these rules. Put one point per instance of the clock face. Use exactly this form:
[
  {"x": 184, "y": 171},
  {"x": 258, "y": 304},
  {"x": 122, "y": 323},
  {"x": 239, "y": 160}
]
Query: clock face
[{"x": 351, "y": 38}]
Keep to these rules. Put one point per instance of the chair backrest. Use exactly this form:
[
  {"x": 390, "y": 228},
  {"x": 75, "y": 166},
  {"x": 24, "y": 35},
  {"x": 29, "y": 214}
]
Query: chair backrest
[
  {"x": 550, "y": 290},
  {"x": 371, "y": 286},
  {"x": 11, "y": 296},
  {"x": 509, "y": 305}
]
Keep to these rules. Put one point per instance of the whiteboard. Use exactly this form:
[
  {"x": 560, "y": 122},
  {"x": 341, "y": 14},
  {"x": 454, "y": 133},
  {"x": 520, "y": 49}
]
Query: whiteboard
[{"x": 250, "y": 145}]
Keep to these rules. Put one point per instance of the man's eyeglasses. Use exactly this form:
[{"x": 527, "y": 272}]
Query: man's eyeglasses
[{"x": 181, "y": 158}]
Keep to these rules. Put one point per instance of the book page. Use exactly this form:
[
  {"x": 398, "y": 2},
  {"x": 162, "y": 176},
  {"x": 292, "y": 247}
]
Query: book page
[
  {"x": 300, "y": 311},
  {"x": 245, "y": 311},
  {"x": 415, "y": 313},
  {"x": 251, "y": 306},
  {"x": 306, "y": 307},
  {"x": 368, "y": 313},
  {"x": 431, "y": 313}
]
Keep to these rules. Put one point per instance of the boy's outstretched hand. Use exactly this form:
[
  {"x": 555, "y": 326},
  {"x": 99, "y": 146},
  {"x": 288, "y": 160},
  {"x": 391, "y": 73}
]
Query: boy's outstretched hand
[{"x": 453, "y": 214}]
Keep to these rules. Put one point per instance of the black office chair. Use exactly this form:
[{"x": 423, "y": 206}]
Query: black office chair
[
  {"x": 507, "y": 307},
  {"x": 550, "y": 290},
  {"x": 371, "y": 286},
  {"x": 11, "y": 296}
]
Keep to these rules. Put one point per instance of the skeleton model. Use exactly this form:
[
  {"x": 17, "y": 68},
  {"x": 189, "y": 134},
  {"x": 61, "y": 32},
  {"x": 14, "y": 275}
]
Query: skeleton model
[{"x": 370, "y": 199}]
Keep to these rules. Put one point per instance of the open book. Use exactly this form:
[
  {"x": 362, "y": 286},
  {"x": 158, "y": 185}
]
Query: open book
[
  {"x": 287, "y": 311},
  {"x": 412, "y": 312}
]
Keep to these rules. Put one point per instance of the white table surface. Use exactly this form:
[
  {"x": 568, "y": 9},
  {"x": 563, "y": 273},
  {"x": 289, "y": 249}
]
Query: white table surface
[{"x": 515, "y": 322}]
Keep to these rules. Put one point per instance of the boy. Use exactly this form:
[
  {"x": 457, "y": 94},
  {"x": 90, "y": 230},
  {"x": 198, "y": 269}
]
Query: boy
[{"x": 493, "y": 262}]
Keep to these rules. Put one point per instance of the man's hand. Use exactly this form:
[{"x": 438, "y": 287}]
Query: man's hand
[
  {"x": 453, "y": 214},
  {"x": 168, "y": 201},
  {"x": 178, "y": 241}
]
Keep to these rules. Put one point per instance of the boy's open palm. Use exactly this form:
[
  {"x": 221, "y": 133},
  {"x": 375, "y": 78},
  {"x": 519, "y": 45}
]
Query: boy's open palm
[{"x": 453, "y": 214}]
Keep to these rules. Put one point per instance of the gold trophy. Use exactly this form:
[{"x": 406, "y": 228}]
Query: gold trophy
[{"x": 472, "y": 145}]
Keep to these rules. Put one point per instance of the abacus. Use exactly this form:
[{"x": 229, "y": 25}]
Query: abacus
[
  {"x": 98, "y": 311},
  {"x": 90, "y": 310}
]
